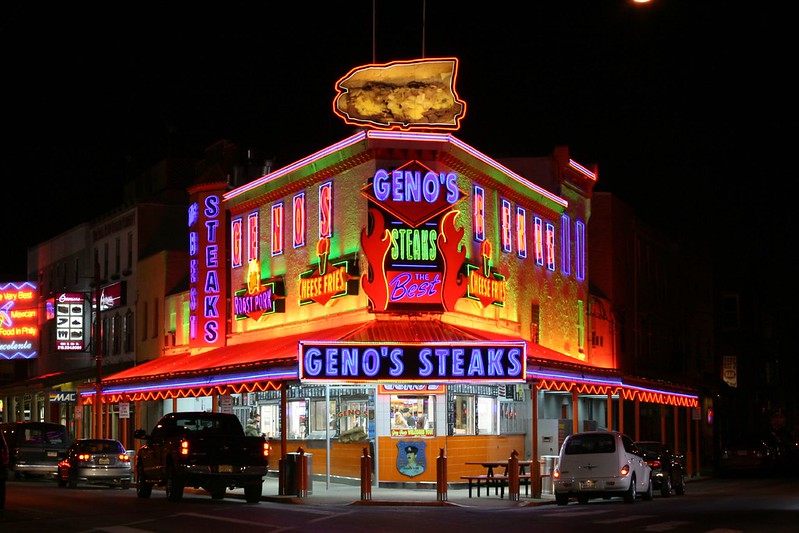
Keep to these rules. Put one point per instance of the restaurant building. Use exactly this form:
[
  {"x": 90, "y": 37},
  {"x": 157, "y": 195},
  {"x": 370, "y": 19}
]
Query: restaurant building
[{"x": 398, "y": 292}]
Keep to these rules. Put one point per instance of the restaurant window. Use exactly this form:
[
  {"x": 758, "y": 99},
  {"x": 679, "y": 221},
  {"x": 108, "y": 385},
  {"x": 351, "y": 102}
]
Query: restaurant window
[
  {"x": 412, "y": 416},
  {"x": 473, "y": 410},
  {"x": 297, "y": 419}
]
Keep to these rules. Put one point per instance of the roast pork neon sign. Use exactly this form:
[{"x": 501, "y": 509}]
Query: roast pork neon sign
[{"x": 259, "y": 298}]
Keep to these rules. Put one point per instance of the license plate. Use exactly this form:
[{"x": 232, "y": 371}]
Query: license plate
[
  {"x": 590, "y": 484},
  {"x": 51, "y": 453},
  {"x": 742, "y": 452},
  {"x": 104, "y": 461},
  {"x": 225, "y": 468}
]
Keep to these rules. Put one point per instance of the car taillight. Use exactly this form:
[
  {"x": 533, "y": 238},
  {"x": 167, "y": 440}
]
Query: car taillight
[
  {"x": 267, "y": 449},
  {"x": 84, "y": 457},
  {"x": 125, "y": 458},
  {"x": 625, "y": 470},
  {"x": 184, "y": 447},
  {"x": 654, "y": 464},
  {"x": 556, "y": 473}
]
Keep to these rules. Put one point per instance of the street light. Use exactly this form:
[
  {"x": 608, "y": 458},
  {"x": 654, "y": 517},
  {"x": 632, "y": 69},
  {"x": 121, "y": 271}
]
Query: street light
[{"x": 98, "y": 356}]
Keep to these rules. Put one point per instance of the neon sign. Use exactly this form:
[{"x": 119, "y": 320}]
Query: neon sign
[
  {"x": 259, "y": 298},
  {"x": 432, "y": 361},
  {"x": 328, "y": 281},
  {"x": 205, "y": 268},
  {"x": 412, "y": 245},
  {"x": 486, "y": 287},
  {"x": 19, "y": 320}
]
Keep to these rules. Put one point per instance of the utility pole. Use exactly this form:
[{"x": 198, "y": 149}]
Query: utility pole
[{"x": 98, "y": 356}]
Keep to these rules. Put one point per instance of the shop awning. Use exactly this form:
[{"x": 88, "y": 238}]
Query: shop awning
[
  {"x": 54, "y": 379},
  {"x": 221, "y": 363}
]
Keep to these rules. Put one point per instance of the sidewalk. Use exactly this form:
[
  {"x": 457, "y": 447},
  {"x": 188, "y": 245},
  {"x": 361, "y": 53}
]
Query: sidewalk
[{"x": 323, "y": 493}]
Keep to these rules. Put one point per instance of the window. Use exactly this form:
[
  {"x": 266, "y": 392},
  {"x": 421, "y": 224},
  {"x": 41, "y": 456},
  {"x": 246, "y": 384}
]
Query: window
[
  {"x": 535, "y": 322},
  {"x": 116, "y": 345},
  {"x": 413, "y": 416},
  {"x": 464, "y": 415},
  {"x": 105, "y": 260},
  {"x": 130, "y": 251},
  {"x": 145, "y": 315},
  {"x": 297, "y": 419},
  {"x": 129, "y": 332},
  {"x": 156, "y": 324},
  {"x": 117, "y": 255}
]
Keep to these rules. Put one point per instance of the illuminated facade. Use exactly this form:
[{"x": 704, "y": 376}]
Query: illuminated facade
[{"x": 398, "y": 290}]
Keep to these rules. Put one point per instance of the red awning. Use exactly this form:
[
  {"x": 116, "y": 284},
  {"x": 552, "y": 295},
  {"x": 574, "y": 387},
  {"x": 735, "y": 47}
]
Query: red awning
[{"x": 265, "y": 353}]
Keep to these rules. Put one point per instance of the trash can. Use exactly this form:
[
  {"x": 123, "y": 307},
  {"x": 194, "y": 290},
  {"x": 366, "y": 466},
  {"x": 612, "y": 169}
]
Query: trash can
[
  {"x": 292, "y": 466},
  {"x": 550, "y": 463}
]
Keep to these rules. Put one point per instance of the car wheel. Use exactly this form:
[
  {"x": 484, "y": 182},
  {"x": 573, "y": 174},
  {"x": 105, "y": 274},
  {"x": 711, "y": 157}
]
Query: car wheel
[
  {"x": 174, "y": 486},
  {"x": 582, "y": 499},
  {"x": 632, "y": 492},
  {"x": 125, "y": 484},
  {"x": 650, "y": 492},
  {"x": 72, "y": 481},
  {"x": 218, "y": 493},
  {"x": 679, "y": 488},
  {"x": 62, "y": 482},
  {"x": 252, "y": 493},
  {"x": 665, "y": 487},
  {"x": 143, "y": 489},
  {"x": 561, "y": 498}
]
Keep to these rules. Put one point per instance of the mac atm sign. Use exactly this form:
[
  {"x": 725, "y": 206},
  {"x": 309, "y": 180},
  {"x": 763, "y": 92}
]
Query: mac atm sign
[{"x": 63, "y": 396}]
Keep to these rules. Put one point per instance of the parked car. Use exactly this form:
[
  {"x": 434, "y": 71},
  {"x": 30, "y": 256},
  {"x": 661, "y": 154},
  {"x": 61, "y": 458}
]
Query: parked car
[
  {"x": 103, "y": 461},
  {"x": 35, "y": 448},
  {"x": 601, "y": 464},
  {"x": 668, "y": 472},
  {"x": 750, "y": 453},
  {"x": 5, "y": 459}
]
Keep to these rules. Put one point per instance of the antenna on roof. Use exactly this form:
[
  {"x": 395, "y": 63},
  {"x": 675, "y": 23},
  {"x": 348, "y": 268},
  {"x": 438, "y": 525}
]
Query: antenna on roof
[{"x": 424, "y": 17}]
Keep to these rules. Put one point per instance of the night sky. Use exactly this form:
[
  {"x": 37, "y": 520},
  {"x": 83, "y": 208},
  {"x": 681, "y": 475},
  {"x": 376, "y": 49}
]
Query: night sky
[{"x": 682, "y": 105}]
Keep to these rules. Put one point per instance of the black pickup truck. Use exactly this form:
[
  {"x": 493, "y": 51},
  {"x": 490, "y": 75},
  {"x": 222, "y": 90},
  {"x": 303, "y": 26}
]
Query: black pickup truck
[{"x": 200, "y": 450}]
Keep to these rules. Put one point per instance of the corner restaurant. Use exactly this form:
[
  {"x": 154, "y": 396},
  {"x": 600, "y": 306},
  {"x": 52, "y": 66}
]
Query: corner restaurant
[{"x": 396, "y": 291}]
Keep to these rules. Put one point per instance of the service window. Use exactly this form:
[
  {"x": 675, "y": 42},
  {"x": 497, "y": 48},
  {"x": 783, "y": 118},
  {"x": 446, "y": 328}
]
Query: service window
[
  {"x": 412, "y": 416},
  {"x": 297, "y": 419}
]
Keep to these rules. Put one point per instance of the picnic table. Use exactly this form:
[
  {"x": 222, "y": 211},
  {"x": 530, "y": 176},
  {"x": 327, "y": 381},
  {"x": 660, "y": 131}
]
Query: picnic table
[{"x": 498, "y": 481}]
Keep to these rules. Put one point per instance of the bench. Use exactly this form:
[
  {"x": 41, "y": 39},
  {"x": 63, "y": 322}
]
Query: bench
[{"x": 498, "y": 482}]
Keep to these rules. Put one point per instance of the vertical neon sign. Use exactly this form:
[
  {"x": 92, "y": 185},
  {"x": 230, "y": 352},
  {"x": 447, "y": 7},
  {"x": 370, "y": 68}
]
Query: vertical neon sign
[
  {"x": 277, "y": 229},
  {"x": 521, "y": 231},
  {"x": 550, "y": 235},
  {"x": 579, "y": 250},
  {"x": 565, "y": 245},
  {"x": 506, "y": 227},
  {"x": 538, "y": 240},
  {"x": 299, "y": 220},
  {"x": 236, "y": 246},
  {"x": 253, "y": 237},
  {"x": 479, "y": 213},
  {"x": 206, "y": 279},
  {"x": 326, "y": 210}
]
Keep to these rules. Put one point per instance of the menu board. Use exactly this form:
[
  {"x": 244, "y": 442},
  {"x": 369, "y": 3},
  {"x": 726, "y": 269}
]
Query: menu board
[{"x": 69, "y": 320}]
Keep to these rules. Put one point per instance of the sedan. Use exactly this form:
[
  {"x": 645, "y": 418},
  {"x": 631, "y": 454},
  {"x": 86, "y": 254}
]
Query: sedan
[
  {"x": 753, "y": 452},
  {"x": 668, "y": 472},
  {"x": 103, "y": 461}
]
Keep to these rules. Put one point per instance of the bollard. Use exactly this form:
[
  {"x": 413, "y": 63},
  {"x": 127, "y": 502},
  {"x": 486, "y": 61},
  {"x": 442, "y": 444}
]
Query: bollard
[
  {"x": 302, "y": 474},
  {"x": 537, "y": 480},
  {"x": 281, "y": 476},
  {"x": 441, "y": 476},
  {"x": 366, "y": 475},
  {"x": 513, "y": 476}
]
